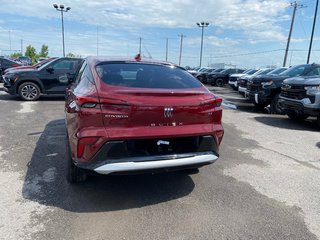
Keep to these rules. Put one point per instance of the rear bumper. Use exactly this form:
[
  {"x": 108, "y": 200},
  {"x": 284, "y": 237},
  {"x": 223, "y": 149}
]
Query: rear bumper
[
  {"x": 153, "y": 163},
  {"x": 152, "y": 155}
]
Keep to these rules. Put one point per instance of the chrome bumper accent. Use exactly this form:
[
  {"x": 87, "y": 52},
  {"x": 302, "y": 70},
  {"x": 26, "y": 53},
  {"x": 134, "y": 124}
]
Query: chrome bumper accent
[{"x": 137, "y": 166}]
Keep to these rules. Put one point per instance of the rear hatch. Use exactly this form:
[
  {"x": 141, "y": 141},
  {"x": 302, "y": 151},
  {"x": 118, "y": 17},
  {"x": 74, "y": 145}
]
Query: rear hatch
[
  {"x": 138, "y": 97},
  {"x": 156, "y": 108}
]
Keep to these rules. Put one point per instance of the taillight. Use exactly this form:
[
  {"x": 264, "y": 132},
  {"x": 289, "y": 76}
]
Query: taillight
[
  {"x": 86, "y": 143},
  {"x": 212, "y": 102},
  {"x": 89, "y": 105},
  {"x": 87, "y": 102}
]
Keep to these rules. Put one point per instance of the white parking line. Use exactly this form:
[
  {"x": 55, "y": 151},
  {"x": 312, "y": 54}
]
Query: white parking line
[{"x": 27, "y": 107}]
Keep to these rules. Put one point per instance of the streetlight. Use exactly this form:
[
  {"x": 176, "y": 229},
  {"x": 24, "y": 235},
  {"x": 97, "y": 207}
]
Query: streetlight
[
  {"x": 202, "y": 25},
  {"x": 61, "y": 9}
]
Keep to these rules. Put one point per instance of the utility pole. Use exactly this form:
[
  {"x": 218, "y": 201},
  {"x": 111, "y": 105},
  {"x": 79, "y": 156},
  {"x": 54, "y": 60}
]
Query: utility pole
[
  {"x": 202, "y": 25},
  {"x": 140, "y": 42},
  {"x": 181, "y": 40},
  {"x": 22, "y": 47},
  {"x": 294, "y": 5},
  {"x": 314, "y": 23},
  {"x": 10, "y": 41},
  {"x": 167, "y": 50},
  {"x": 61, "y": 9}
]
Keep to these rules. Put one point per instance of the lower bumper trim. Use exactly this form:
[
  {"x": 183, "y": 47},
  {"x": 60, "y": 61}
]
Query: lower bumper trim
[{"x": 147, "y": 165}]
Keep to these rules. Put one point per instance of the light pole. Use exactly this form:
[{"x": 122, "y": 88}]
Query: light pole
[
  {"x": 61, "y": 9},
  {"x": 202, "y": 25}
]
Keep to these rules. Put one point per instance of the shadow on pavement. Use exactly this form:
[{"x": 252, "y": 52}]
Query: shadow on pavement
[
  {"x": 46, "y": 184},
  {"x": 286, "y": 123}
]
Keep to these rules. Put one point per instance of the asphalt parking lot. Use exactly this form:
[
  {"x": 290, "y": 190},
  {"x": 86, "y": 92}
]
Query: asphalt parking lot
[{"x": 265, "y": 184}]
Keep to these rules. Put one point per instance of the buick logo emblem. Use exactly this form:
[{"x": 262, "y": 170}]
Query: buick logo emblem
[
  {"x": 168, "y": 112},
  {"x": 286, "y": 86}
]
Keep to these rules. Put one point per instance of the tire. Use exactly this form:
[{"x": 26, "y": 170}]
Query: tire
[
  {"x": 219, "y": 82},
  {"x": 29, "y": 91},
  {"x": 74, "y": 174},
  {"x": 297, "y": 117},
  {"x": 318, "y": 121},
  {"x": 275, "y": 106},
  {"x": 260, "y": 106}
]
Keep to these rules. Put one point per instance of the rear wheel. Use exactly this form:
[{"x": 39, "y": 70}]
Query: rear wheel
[
  {"x": 297, "y": 117},
  {"x": 29, "y": 91},
  {"x": 220, "y": 82},
  {"x": 74, "y": 174}
]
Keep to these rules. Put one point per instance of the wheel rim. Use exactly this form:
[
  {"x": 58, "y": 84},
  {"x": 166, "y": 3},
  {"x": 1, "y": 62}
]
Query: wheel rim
[{"x": 29, "y": 92}]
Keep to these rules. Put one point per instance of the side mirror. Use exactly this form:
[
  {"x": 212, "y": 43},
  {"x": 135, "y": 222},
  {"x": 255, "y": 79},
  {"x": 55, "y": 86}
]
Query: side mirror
[
  {"x": 65, "y": 78},
  {"x": 50, "y": 70}
]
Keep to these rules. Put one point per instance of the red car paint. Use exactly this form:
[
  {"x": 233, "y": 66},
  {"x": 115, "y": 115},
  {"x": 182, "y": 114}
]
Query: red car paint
[{"x": 97, "y": 112}]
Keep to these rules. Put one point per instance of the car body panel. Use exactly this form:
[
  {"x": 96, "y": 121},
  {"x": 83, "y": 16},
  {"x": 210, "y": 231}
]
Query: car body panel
[{"x": 154, "y": 120}]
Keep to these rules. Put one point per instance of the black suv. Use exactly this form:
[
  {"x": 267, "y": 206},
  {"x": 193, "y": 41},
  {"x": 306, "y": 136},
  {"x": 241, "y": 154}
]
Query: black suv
[
  {"x": 221, "y": 78},
  {"x": 51, "y": 78},
  {"x": 202, "y": 76},
  {"x": 265, "y": 90},
  {"x": 300, "y": 98}
]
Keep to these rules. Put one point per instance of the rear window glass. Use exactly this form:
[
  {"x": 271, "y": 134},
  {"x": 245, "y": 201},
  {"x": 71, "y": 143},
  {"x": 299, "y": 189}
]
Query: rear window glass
[{"x": 146, "y": 76}]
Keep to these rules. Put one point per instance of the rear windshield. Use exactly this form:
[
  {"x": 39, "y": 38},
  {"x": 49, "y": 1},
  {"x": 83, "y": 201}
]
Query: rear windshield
[{"x": 139, "y": 75}]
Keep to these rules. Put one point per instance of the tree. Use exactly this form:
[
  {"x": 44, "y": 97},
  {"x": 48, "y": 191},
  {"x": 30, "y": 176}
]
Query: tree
[
  {"x": 71, "y": 55},
  {"x": 31, "y": 52},
  {"x": 15, "y": 55},
  {"x": 44, "y": 51}
]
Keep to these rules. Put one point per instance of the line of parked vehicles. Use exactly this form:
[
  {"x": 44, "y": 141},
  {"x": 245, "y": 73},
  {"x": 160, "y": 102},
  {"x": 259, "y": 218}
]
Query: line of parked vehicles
[{"x": 293, "y": 91}]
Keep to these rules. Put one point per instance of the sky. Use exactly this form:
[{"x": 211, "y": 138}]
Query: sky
[{"x": 244, "y": 33}]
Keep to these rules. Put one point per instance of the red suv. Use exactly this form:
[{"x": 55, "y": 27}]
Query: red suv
[{"x": 130, "y": 116}]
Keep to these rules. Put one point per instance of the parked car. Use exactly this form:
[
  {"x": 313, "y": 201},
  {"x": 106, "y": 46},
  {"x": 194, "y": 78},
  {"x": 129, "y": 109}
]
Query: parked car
[
  {"x": 198, "y": 70},
  {"x": 266, "y": 90},
  {"x": 25, "y": 60},
  {"x": 233, "y": 78},
  {"x": 35, "y": 66},
  {"x": 300, "y": 97},
  {"x": 277, "y": 71},
  {"x": 202, "y": 76},
  {"x": 127, "y": 116},
  {"x": 242, "y": 81},
  {"x": 5, "y": 64},
  {"x": 50, "y": 78},
  {"x": 221, "y": 78}
]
